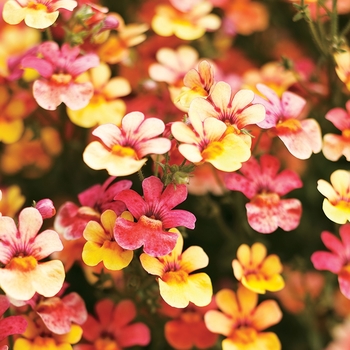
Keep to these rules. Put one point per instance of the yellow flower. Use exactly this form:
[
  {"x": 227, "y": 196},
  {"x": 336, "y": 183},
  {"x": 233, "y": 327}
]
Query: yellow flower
[
  {"x": 177, "y": 286},
  {"x": 256, "y": 271}
]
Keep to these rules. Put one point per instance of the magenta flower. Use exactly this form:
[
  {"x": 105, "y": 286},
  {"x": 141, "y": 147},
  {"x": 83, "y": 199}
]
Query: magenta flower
[
  {"x": 12, "y": 324},
  {"x": 122, "y": 151},
  {"x": 72, "y": 219},
  {"x": 59, "y": 69},
  {"x": 284, "y": 118},
  {"x": 154, "y": 215},
  {"x": 264, "y": 187},
  {"x": 334, "y": 146},
  {"x": 338, "y": 259},
  {"x": 21, "y": 251}
]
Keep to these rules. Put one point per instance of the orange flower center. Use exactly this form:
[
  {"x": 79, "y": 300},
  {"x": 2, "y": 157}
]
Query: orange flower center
[
  {"x": 122, "y": 151},
  {"x": 35, "y": 6},
  {"x": 61, "y": 79},
  {"x": 346, "y": 134},
  {"x": 244, "y": 335},
  {"x": 191, "y": 317},
  {"x": 214, "y": 149},
  {"x": 106, "y": 344},
  {"x": 25, "y": 263},
  {"x": 288, "y": 126},
  {"x": 175, "y": 277}
]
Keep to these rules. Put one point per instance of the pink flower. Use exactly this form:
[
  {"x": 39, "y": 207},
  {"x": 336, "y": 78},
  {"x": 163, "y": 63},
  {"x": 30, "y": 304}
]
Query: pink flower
[
  {"x": 338, "y": 259},
  {"x": 113, "y": 328},
  {"x": 46, "y": 208},
  {"x": 72, "y": 219},
  {"x": 264, "y": 187},
  {"x": 59, "y": 69},
  {"x": 12, "y": 324},
  {"x": 154, "y": 215},
  {"x": 334, "y": 146},
  {"x": 284, "y": 118},
  {"x": 122, "y": 151},
  {"x": 21, "y": 251}
]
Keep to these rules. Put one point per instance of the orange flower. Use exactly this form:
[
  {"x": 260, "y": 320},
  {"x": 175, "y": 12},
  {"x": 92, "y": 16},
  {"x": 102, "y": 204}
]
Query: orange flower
[
  {"x": 242, "y": 321},
  {"x": 177, "y": 286},
  {"x": 11, "y": 200}
]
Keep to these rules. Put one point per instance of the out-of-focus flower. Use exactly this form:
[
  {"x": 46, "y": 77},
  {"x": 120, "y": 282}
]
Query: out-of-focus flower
[
  {"x": 188, "y": 25},
  {"x": 101, "y": 245},
  {"x": 256, "y": 271},
  {"x": 112, "y": 327},
  {"x": 299, "y": 288},
  {"x": 71, "y": 219},
  {"x": 342, "y": 68},
  {"x": 11, "y": 200},
  {"x": 154, "y": 214},
  {"x": 15, "y": 106},
  {"x": 338, "y": 259},
  {"x": 246, "y": 16},
  {"x": 336, "y": 205},
  {"x": 105, "y": 105},
  {"x": 60, "y": 314},
  {"x": 59, "y": 68},
  {"x": 37, "y": 14},
  {"x": 271, "y": 74},
  {"x": 262, "y": 184},
  {"x": 177, "y": 285},
  {"x": 187, "y": 329},
  {"x": 334, "y": 146},
  {"x": 122, "y": 151},
  {"x": 46, "y": 208},
  {"x": 11, "y": 324},
  {"x": 211, "y": 141},
  {"x": 341, "y": 336},
  {"x": 21, "y": 250},
  {"x": 197, "y": 83},
  {"x": 242, "y": 320},
  {"x": 32, "y": 155},
  {"x": 38, "y": 336},
  {"x": 302, "y": 137}
]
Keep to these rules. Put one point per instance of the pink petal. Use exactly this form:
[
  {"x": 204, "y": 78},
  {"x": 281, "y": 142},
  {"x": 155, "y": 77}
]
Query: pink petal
[
  {"x": 269, "y": 165},
  {"x": 289, "y": 214},
  {"x": 82, "y": 64},
  {"x": 173, "y": 195},
  {"x": 104, "y": 311},
  {"x": 236, "y": 182},
  {"x": 46, "y": 243},
  {"x": 47, "y": 95},
  {"x": 332, "y": 243},
  {"x": 44, "y": 68},
  {"x": 344, "y": 232},
  {"x": 77, "y": 96},
  {"x": 46, "y": 208},
  {"x": 12, "y": 325},
  {"x": 344, "y": 282},
  {"x": 8, "y": 241},
  {"x": 339, "y": 117},
  {"x": 123, "y": 313},
  {"x": 133, "y": 201},
  {"x": 90, "y": 196},
  {"x": 29, "y": 224},
  {"x": 175, "y": 218},
  {"x": 134, "y": 334},
  {"x": 4, "y": 304},
  {"x": 159, "y": 145},
  {"x": 152, "y": 188},
  {"x": 313, "y": 131},
  {"x": 292, "y": 105},
  {"x": 109, "y": 134},
  {"x": 286, "y": 181},
  {"x": 221, "y": 96},
  {"x": 326, "y": 261},
  {"x": 261, "y": 218},
  {"x": 149, "y": 128}
]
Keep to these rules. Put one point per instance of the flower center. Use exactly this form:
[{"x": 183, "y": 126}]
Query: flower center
[
  {"x": 122, "y": 151},
  {"x": 288, "y": 126},
  {"x": 106, "y": 344},
  {"x": 212, "y": 150},
  {"x": 175, "y": 277},
  {"x": 24, "y": 264},
  {"x": 346, "y": 134},
  {"x": 244, "y": 335},
  {"x": 36, "y": 6},
  {"x": 61, "y": 79}
]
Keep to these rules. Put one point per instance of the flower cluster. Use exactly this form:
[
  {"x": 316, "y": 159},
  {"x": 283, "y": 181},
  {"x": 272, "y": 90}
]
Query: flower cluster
[{"x": 163, "y": 174}]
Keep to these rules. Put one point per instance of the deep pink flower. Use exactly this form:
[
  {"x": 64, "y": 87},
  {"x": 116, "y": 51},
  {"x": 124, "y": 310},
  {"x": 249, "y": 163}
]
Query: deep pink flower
[
  {"x": 154, "y": 215},
  {"x": 284, "y": 118},
  {"x": 263, "y": 185},
  {"x": 12, "y": 324},
  {"x": 46, "y": 208},
  {"x": 338, "y": 259},
  {"x": 72, "y": 219},
  {"x": 59, "y": 69}
]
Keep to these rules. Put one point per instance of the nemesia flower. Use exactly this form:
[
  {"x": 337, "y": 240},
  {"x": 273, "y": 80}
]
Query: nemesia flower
[
  {"x": 105, "y": 106},
  {"x": 37, "y": 14},
  {"x": 262, "y": 184},
  {"x": 72, "y": 219},
  {"x": 11, "y": 200},
  {"x": 59, "y": 68},
  {"x": 154, "y": 215},
  {"x": 113, "y": 328},
  {"x": 336, "y": 205},
  {"x": 302, "y": 137},
  {"x": 177, "y": 284},
  {"x": 197, "y": 83},
  {"x": 189, "y": 25},
  {"x": 334, "y": 146},
  {"x": 256, "y": 271},
  {"x": 211, "y": 141},
  {"x": 187, "y": 329},
  {"x": 101, "y": 246},
  {"x": 37, "y": 336},
  {"x": 46, "y": 208},
  {"x": 21, "y": 250},
  {"x": 342, "y": 68},
  {"x": 122, "y": 151},
  {"x": 299, "y": 288},
  {"x": 59, "y": 314},
  {"x": 11, "y": 324},
  {"x": 338, "y": 259},
  {"x": 242, "y": 320}
]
